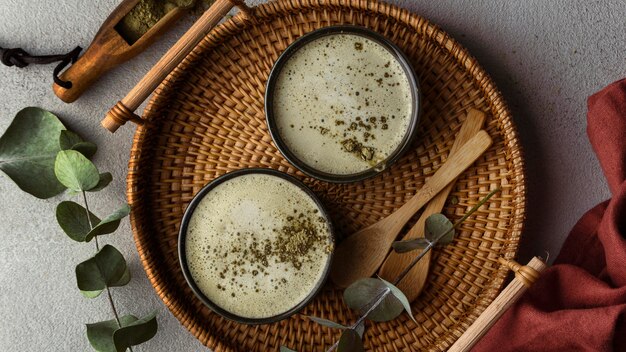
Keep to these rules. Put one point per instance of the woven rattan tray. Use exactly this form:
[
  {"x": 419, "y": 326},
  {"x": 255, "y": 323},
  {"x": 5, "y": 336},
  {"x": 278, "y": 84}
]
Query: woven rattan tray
[{"x": 207, "y": 119}]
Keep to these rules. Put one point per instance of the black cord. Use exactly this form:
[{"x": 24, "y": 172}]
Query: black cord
[{"x": 18, "y": 57}]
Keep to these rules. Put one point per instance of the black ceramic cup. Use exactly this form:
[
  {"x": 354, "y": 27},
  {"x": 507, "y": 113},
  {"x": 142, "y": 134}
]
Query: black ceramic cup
[
  {"x": 415, "y": 98},
  {"x": 183, "y": 235}
]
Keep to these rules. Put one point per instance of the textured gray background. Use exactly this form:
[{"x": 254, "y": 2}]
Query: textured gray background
[{"x": 546, "y": 57}]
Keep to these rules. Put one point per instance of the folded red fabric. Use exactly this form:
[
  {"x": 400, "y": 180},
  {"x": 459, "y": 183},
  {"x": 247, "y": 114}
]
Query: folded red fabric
[{"x": 579, "y": 304}]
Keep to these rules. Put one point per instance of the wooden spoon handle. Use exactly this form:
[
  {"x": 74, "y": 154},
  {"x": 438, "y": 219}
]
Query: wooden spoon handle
[
  {"x": 124, "y": 109},
  {"x": 448, "y": 172},
  {"x": 83, "y": 73},
  {"x": 395, "y": 263}
]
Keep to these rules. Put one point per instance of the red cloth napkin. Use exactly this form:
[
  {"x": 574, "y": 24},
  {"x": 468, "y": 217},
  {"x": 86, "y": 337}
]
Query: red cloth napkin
[{"x": 579, "y": 304}]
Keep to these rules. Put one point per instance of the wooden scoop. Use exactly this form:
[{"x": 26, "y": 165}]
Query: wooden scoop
[
  {"x": 414, "y": 281},
  {"x": 124, "y": 110},
  {"x": 360, "y": 255},
  {"x": 109, "y": 49}
]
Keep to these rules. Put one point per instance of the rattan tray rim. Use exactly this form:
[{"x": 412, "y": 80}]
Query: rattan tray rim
[{"x": 264, "y": 12}]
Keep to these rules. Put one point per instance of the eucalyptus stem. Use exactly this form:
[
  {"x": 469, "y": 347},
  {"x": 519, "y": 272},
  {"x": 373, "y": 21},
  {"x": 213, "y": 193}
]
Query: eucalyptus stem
[
  {"x": 372, "y": 305},
  {"x": 432, "y": 243},
  {"x": 88, "y": 215},
  {"x": 109, "y": 296}
]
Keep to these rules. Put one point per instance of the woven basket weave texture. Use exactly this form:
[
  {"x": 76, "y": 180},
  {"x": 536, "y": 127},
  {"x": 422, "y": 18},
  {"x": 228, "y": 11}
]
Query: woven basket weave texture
[{"x": 207, "y": 119}]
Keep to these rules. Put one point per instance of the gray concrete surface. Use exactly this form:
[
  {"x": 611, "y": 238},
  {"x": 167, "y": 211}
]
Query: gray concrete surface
[{"x": 546, "y": 57}]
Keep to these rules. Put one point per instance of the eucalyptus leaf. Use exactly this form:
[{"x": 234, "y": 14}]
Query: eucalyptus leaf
[
  {"x": 410, "y": 245},
  {"x": 362, "y": 294},
  {"x": 91, "y": 294},
  {"x": 67, "y": 139},
  {"x": 71, "y": 193},
  {"x": 100, "y": 334},
  {"x": 105, "y": 179},
  {"x": 106, "y": 269},
  {"x": 286, "y": 349},
  {"x": 350, "y": 341},
  {"x": 72, "y": 217},
  {"x": 28, "y": 149},
  {"x": 438, "y": 224},
  {"x": 135, "y": 333},
  {"x": 328, "y": 323},
  {"x": 109, "y": 224},
  {"x": 400, "y": 296},
  {"x": 360, "y": 329},
  {"x": 71, "y": 140},
  {"x": 75, "y": 171},
  {"x": 87, "y": 149}
]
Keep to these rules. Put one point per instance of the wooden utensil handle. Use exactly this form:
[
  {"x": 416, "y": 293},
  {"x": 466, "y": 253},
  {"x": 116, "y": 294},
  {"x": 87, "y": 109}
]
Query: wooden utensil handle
[
  {"x": 447, "y": 173},
  {"x": 82, "y": 74},
  {"x": 124, "y": 109},
  {"x": 525, "y": 276}
]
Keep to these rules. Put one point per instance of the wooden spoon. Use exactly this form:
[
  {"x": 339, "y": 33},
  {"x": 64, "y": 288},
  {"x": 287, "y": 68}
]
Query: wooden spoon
[
  {"x": 360, "y": 255},
  {"x": 414, "y": 281}
]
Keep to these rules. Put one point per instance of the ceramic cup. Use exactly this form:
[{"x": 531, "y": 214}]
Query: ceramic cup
[
  {"x": 409, "y": 135},
  {"x": 183, "y": 236}
]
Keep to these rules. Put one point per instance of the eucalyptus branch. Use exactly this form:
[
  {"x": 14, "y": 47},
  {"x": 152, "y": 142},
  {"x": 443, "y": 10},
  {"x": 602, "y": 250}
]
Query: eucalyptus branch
[
  {"x": 414, "y": 261},
  {"x": 89, "y": 216},
  {"x": 379, "y": 298},
  {"x": 60, "y": 159},
  {"x": 109, "y": 296},
  {"x": 432, "y": 243},
  {"x": 372, "y": 306}
]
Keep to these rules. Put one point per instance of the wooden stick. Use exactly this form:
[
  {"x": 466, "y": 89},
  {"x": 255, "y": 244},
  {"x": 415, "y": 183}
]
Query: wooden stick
[
  {"x": 525, "y": 276},
  {"x": 124, "y": 109}
]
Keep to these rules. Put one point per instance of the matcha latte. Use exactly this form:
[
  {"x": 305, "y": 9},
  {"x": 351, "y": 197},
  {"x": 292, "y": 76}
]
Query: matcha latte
[
  {"x": 343, "y": 103},
  {"x": 257, "y": 246}
]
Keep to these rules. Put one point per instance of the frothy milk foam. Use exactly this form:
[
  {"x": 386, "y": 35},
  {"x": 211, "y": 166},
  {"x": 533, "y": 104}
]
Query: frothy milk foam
[
  {"x": 342, "y": 103},
  {"x": 234, "y": 250}
]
